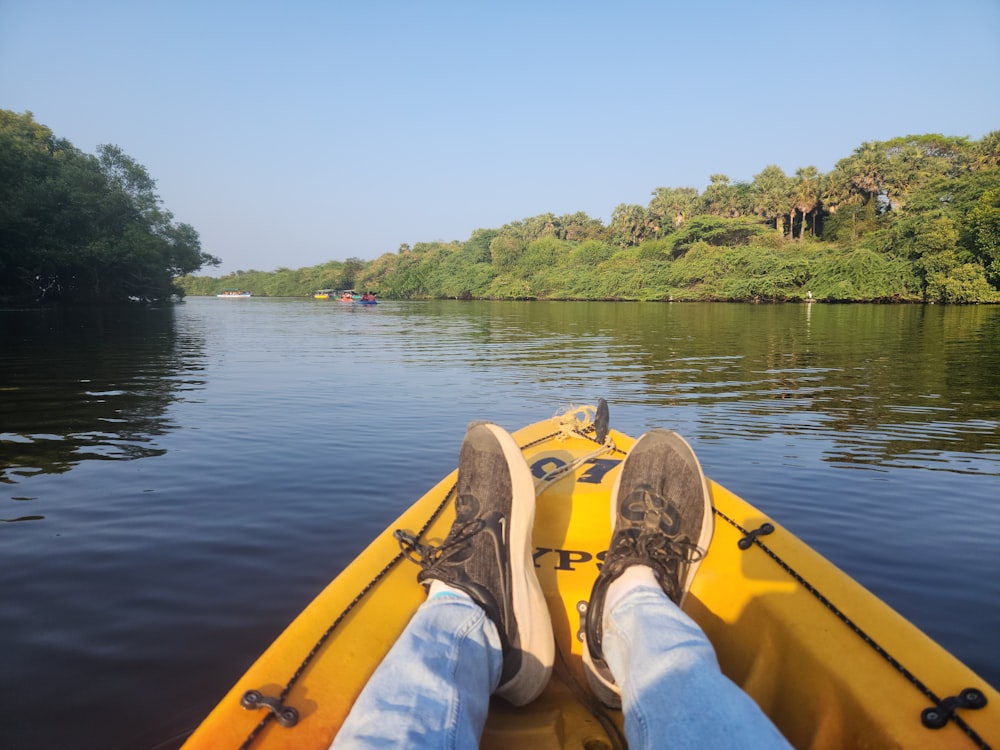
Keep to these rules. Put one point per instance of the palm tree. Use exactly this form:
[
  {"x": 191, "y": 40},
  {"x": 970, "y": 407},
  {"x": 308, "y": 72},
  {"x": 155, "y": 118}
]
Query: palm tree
[
  {"x": 807, "y": 196},
  {"x": 988, "y": 151},
  {"x": 719, "y": 198},
  {"x": 773, "y": 198},
  {"x": 630, "y": 225},
  {"x": 868, "y": 169},
  {"x": 671, "y": 207}
]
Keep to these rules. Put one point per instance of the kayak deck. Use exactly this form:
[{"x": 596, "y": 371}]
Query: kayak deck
[{"x": 829, "y": 662}]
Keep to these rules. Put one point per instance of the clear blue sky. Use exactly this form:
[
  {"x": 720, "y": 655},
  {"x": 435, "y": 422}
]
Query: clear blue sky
[{"x": 291, "y": 133}]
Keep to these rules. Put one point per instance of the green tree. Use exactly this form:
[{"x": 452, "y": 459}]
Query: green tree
[
  {"x": 630, "y": 225},
  {"x": 579, "y": 227},
  {"x": 805, "y": 197},
  {"x": 984, "y": 230},
  {"x": 81, "y": 228},
  {"x": 714, "y": 231},
  {"x": 349, "y": 274},
  {"x": 724, "y": 199},
  {"x": 477, "y": 247},
  {"x": 868, "y": 170},
  {"x": 915, "y": 160},
  {"x": 505, "y": 250},
  {"x": 986, "y": 153},
  {"x": 773, "y": 196},
  {"x": 948, "y": 279},
  {"x": 671, "y": 207},
  {"x": 541, "y": 255}
]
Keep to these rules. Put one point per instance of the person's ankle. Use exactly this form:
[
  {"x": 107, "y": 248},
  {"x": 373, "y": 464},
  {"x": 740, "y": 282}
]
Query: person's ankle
[
  {"x": 440, "y": 588},
  {"x": 633, "y": 577}
]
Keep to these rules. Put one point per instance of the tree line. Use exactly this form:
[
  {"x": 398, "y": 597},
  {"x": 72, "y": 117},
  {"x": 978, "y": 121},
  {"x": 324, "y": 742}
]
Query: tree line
[
  {"x": 84, "y": 228},
  {"x": 915, "y": 218},
  {"x": 911, "y": 219}
]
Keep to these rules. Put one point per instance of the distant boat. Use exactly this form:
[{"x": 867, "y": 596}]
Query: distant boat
[
  {"x": 324, "y": 293},
  {"x": 234, "y": 294},
  {"x": 349, "y": 295}
]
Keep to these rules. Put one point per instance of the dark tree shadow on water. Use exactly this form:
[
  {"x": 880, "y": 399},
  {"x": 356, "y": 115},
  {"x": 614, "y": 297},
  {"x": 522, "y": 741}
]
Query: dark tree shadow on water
[{"x": 88, "y": 384}]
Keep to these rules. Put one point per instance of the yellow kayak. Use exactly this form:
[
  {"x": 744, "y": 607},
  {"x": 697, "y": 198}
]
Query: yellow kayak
[{"x": 830, "y": 663}]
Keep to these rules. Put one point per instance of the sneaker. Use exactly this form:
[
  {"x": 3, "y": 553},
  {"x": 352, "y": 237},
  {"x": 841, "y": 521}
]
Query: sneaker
[
  {"x": 661, "y": 516},
  {"x": 488, "y": 555}
]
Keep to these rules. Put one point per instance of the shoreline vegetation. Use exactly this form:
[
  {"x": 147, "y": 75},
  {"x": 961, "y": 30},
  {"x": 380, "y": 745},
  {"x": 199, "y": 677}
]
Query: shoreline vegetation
[
  {"x": 911, "y": 219},
  {"x": 82, "y": 229}
]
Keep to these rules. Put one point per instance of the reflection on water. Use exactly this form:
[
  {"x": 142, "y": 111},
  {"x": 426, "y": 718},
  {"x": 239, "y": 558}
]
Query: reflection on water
[
  {"x": 86, "y": 385},
  {"x": 194, "y": 475},
  {"x": 903, "y": 386}
]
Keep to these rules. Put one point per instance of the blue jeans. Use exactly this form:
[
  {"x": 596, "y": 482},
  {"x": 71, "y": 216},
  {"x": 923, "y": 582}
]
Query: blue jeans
[{"x": 433, "y": 688}]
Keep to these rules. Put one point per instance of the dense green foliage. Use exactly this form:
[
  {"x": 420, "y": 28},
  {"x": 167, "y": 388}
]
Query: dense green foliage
[
  {"x": 911, "y": 219},
  {"x": 82, "y": 228}
]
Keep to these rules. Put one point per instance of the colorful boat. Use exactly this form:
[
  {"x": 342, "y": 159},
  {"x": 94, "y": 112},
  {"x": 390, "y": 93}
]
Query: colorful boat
[
  {"x": 323, "y": 293},
  {"x": 234, "y": 294},
  {"x": 829, "y": 662}
]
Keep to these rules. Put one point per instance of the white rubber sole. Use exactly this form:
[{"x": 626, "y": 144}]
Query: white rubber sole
[
  {"x": 530, "y": 608},
  {"x": 601, "y": 681}
]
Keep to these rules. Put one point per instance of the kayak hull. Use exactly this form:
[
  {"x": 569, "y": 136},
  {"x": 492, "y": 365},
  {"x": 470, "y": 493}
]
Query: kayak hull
[{"x": 791, "y": 629}]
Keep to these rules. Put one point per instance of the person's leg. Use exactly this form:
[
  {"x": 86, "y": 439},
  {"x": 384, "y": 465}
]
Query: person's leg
[
  {"x": 672, "y": 688},
  {"x": 433, "y": 687},
  {"x": 642, "y": 651},
  {"x": 485, "y": 628}
]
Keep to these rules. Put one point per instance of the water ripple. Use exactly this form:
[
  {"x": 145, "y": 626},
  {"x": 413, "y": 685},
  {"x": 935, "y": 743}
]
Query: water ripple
[{"x": 179, "y": 485}]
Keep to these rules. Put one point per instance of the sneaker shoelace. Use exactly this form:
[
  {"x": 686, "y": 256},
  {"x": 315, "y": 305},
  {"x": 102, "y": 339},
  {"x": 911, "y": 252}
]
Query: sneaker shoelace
[
  {"x": 667, "y": 555},
  {"x": 644, "y": 544},
  {"x": 430, "y": 556},
  {"x": 656, "y": 546}
]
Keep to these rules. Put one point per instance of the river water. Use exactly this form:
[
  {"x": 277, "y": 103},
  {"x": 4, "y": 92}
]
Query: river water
[{"x": 176, "y": 484}]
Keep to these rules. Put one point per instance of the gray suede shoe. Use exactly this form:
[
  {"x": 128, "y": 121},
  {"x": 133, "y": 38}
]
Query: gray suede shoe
[
  {"x": 661, "y": 516},
  {"x": 488, "y": 555}
]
